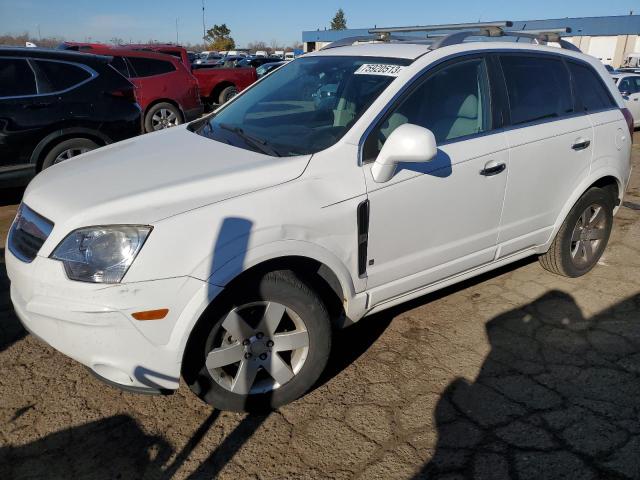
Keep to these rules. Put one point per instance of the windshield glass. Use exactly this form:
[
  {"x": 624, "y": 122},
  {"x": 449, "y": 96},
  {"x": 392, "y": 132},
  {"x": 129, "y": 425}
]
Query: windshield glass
[{"x": 303, "y": 107}]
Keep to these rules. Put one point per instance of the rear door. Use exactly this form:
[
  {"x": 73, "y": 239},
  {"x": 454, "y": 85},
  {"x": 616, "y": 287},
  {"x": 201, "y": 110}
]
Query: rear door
[
  {"x": 551, "y": 144},
  {"x": 19, "y": 123}
]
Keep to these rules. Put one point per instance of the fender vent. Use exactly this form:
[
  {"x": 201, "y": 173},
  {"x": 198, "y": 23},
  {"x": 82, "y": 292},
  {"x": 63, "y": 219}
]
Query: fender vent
[{"x": 363, "y": 236}]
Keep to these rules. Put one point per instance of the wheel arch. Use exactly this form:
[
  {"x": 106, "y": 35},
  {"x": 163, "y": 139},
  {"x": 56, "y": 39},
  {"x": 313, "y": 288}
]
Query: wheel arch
[
  {"x": 54, "y": 138},
  {"x": 164, "y": 100},
  {"x": 606, "y": 179}
]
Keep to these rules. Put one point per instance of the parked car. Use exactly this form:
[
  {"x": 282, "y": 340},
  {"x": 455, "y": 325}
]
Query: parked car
[
  {"x": 280, "y": 216},
  {"x": 629, "y": 86},
  {"x": 56, "y": 105},
  {"x": 165, "y": 88},
  {"x": 254, "y": 62},
  {"x": 210, "y": 59},
  {"x": 631, "y": 63},
  {"x": 263, "y": 70}
]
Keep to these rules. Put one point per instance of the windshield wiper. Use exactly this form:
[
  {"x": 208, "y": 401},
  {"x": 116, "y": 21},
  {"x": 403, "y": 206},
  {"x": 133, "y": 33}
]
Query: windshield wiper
[{"x": 256, "y": 142}]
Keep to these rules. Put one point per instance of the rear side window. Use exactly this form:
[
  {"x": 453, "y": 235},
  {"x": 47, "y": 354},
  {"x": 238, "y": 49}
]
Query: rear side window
[
  {"x": 120, "y": 64},
  {"x": 591, "y": 93},
  {"x": 538, "y": 88},
  {"x": 57, "y": 76},
  {"x": 16, "y": 78},
  {"x": 147, "y": 67}
]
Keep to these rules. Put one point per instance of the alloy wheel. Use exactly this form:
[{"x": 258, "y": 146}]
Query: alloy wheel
[
  {"x": 164, "y": 118},
  {"x": 260, "y": 347},
  {"x": 588, "y": 234},
  {"x": 70, "y": 153}
]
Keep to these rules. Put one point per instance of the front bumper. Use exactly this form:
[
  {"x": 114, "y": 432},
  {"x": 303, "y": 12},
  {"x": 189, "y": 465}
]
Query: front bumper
[{"x": 92, "y": 323}]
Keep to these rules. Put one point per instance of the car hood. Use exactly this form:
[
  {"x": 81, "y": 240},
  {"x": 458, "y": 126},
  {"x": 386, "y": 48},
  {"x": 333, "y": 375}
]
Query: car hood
[{"x": 151, "y": 177}]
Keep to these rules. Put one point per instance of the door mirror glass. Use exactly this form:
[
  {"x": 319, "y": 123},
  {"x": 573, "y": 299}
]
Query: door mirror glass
[{"x": 407, "y": 143}]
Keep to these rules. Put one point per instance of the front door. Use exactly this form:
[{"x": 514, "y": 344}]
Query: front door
[
  {"x": 630, "y": 89},
  {"x": 436, "y": 219}
]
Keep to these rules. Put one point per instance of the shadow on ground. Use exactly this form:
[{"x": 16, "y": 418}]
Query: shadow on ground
[{"x": 557, "y": 397}]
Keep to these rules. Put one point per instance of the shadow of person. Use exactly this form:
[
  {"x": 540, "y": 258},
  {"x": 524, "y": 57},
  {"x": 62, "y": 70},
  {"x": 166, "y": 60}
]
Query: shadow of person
[
  {"x": 557, "y": 397},
  {"x": 114, "y": 447}
]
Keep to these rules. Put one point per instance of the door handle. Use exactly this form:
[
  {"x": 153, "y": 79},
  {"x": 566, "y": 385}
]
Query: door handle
[
  {"x": 493, "y": 168},
  {"x": 581, "y": 144},
  {"x": 37, "y": 105}
]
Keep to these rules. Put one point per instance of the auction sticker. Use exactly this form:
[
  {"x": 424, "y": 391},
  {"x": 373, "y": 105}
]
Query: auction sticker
[{"x": 379, "y": 69}]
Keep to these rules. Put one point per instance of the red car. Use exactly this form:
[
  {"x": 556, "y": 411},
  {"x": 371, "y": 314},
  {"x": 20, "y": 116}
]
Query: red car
[
  {"x": 217, "y": 85},
  {"x": 165, "y": 88}
]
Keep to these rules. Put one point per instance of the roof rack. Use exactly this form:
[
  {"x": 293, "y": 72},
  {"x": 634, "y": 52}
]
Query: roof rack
[{"x": 455, "y": 33}]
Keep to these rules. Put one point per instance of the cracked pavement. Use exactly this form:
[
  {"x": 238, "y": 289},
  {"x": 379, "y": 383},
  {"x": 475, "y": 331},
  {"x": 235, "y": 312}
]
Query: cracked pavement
[{"x": 516, "y": 374}]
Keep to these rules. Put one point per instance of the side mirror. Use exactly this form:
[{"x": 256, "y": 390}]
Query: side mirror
[
  {"x": 625, "y": 94},
  {"x": 407, "y": 143}
]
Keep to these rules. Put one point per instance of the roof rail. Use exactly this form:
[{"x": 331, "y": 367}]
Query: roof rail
[{"x": 461, "y": 31}]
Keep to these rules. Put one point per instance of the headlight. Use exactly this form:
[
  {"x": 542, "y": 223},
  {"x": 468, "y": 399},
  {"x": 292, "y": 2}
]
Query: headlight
[{"x": 101, "y": 254}]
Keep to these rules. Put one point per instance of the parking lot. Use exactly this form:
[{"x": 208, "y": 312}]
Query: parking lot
[{"x": 518, "y": 373}]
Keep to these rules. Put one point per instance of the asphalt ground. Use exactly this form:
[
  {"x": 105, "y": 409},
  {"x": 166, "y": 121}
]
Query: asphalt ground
[{"x": 516, "y": 374}]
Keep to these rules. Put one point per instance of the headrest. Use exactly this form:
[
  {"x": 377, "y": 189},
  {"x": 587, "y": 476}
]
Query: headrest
[{"x": 465, "y": 106}]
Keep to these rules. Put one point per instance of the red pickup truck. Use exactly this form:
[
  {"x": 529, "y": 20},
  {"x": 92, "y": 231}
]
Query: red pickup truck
[{"x": 217, "y": 85}]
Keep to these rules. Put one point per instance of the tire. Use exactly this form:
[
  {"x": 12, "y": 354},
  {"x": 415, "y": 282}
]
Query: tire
[
  {"x": 162, "y": 116},
  {"x": 68, "y": 149},
  {"x": 286, "y": 296},
  {"x": 576, "y": 250},
  {"x": 227, "y": 94}
]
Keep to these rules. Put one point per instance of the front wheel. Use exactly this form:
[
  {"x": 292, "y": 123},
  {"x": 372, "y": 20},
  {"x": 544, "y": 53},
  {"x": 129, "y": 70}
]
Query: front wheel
[
  {"x": 265, "y": 347},
  {"x": 68, "y": 149},
  {"x": 583, "y": 236}
]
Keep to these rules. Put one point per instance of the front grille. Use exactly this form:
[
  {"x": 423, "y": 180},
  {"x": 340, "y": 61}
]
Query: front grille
[{"x": 28, "y": 233}]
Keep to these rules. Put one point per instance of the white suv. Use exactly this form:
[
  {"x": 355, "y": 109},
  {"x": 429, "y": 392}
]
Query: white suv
[{"x": 350, "y": 180}]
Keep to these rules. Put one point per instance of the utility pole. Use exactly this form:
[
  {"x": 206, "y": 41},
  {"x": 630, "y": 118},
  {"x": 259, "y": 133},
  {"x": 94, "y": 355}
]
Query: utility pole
[
  {"x": 177, "y": 38},
  {"x": 204, "y": 30}
]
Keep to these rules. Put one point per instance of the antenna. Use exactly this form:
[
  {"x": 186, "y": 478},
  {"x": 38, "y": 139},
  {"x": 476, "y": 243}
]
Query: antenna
[{"x": 204, "y": 30}]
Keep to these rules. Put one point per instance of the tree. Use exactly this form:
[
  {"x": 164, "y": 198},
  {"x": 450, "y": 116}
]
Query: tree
[
  {"x": 219, "y": 37},
  {"x": 257, "y": 46},
  {"x": 339, "y": 22}
]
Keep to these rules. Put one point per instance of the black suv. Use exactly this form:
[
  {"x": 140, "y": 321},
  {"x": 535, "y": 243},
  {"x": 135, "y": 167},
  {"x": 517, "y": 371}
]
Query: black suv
[{"x": 55, "y": 105}]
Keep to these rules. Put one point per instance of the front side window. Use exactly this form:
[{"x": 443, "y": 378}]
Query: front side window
[
  {"x": 16, "y": 78},
  {"x": 591, "y": 93},
  {"x": 452, "y": 102},
  {"x": 58, "y": 76},
  {"x": 304, "y": 107},
  {"x": 538, "y": 88}
]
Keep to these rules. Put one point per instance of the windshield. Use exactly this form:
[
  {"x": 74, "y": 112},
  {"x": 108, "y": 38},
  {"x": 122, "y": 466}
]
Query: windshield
[{"x": 303, "y": 107}]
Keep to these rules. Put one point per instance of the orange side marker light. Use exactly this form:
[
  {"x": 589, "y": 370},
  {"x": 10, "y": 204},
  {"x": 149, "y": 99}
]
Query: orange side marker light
[{"x": 151, "y": 314}]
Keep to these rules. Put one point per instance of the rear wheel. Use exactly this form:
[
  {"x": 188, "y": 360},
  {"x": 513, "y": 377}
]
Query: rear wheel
[
  {"x": 227, "y": 94},
  {"x": 264, "y": 348},
  {"x": 162, "y": 116},
  {"x": 583, "y": 236},
  {"x": 68, "y": 149}
]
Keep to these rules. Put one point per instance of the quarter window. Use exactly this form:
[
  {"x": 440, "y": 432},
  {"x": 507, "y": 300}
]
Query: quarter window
[
  {"x": 120, "y": 64},
  {"x": 147, "y": 67},
  {"x": 57, "y": 76},
  {"x": 590, "y": 91},
  {"x": 16, "y": 78},
  {"x": 538, "y": 88},
  {"x": 453, "y": 102}
]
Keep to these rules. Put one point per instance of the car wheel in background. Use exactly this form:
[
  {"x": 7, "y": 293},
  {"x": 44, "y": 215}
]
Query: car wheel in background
[
  {"x": 161, "y": 116},
  {"x": 227, "y": 94},
  {"x": 583, "y": 236},
  {"x": 68, "y": 149},
  {"x": 265, "y": 347}
]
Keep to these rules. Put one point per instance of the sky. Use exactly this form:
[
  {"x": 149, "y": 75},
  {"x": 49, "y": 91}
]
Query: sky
[{"x": 279, "y": 20}]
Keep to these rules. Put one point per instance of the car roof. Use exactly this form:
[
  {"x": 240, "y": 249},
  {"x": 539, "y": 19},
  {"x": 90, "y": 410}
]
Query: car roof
[
  {"x": 625, "y": 74},
  {"x": 392, "y": 50},
  {"x": 69, "y": 55}
]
